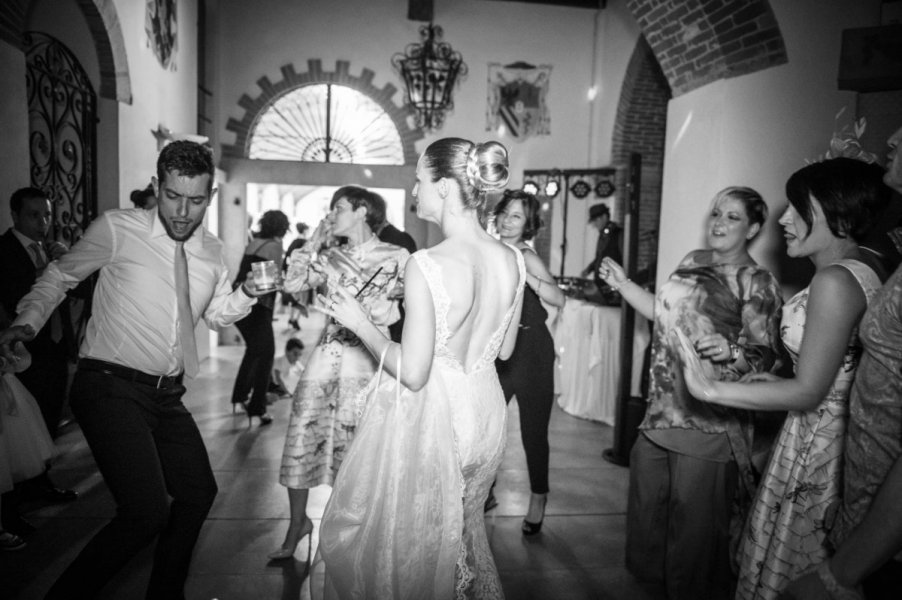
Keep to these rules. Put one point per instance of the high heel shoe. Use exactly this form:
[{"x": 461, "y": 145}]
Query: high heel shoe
[
  {"x": 530, "y": 528},
  {"x": 288, "y": 551},
  {"x": 265, "y": 419}
]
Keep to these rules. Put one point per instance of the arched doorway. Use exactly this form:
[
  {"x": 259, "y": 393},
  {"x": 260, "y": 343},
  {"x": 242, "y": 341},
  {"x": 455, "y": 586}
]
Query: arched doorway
[{"x": 309, "y": 133}]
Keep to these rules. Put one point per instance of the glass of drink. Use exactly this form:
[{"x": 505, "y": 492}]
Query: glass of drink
[{"x": 265, "y": 274}]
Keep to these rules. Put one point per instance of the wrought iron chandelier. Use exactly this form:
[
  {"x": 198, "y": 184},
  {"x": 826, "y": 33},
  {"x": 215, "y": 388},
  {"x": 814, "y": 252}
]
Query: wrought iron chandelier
[{"x": 430, "y": 70}]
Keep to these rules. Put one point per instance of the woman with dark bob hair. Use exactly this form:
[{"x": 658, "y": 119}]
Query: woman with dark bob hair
[
  {"x": 691, "y": 460},
  {"x": 329, "y": 395},
  {"x": 256, "y": 328},
  {"x": 529, "y": 372},
  {"x": 831, "y": 206}
]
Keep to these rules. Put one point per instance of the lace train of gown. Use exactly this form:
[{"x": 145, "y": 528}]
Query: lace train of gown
[{"x": 405, "y": 519}]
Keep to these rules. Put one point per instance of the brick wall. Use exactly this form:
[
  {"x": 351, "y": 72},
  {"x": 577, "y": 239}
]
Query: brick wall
[
  {"x": 640, "y": 126},
  {"x": 700, "y": 41}
]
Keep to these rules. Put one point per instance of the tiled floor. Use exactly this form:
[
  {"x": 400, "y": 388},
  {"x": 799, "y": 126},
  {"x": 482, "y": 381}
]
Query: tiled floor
[{"x": 578, "y": 555}]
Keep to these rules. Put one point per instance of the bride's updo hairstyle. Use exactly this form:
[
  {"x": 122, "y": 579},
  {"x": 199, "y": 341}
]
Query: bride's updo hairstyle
[{"x": 477, "y": 168}]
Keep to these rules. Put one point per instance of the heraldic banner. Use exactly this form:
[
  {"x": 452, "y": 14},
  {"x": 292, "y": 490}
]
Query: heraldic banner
[{"x": 516, "y": 102}]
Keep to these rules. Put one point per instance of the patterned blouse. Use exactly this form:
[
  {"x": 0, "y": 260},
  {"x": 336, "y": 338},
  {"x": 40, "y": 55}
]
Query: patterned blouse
[{"x": 740, "y": 302}]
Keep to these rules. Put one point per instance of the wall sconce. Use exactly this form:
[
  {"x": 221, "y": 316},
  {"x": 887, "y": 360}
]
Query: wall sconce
[{"x": 429, "y": 69}]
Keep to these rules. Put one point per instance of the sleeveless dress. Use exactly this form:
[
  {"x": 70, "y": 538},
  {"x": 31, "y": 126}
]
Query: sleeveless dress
[
  {"x": 785, "y": 533},
  {"x": 405, "y": 519}
]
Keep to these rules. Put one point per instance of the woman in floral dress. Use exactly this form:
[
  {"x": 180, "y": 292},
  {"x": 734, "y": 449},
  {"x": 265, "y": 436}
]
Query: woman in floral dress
[
  {"x": 831, "y": 206},
  {"x": 328, "y": 400},
  {"x": 692, "y": 460}
]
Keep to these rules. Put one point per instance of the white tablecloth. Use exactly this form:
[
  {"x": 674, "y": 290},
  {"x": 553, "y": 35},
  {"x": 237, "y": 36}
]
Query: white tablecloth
[{"x": 587, "y": 374}]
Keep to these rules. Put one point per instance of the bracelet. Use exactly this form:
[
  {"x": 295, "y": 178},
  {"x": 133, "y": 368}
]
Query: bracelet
[
  {"x": 836, "y": 590},
  {"x": 616, "y": 288}
]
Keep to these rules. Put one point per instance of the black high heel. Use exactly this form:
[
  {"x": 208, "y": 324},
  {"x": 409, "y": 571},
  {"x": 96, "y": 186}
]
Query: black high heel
[
  {"x": 265, "y": 419},
  {"x": 529, "y": 528}
]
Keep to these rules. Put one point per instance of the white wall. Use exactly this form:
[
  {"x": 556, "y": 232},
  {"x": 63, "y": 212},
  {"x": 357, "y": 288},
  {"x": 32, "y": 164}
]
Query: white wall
[
  {"x": 159, "y": 96},
  {"x": 758, "y": 129}
]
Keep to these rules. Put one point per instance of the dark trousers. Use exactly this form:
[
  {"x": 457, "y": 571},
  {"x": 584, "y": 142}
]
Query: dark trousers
[
  {"x": 148, "y": 448},
  {"x": 256, "y": 366},
  {"x": 530, "y": 375},
  {"x": 678, "y": 522}
]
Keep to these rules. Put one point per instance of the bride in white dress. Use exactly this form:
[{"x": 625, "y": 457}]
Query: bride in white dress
[{"x": 405, "y": 519}]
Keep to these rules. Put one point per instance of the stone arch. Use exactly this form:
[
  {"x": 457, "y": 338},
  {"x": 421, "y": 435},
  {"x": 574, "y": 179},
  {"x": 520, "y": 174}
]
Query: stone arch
[
  {"x": 270, "y": 92},
  {"x": 106, "y": 31},
  {"x": 697, "y": 42},
  {"x": 641, "y": 126}
]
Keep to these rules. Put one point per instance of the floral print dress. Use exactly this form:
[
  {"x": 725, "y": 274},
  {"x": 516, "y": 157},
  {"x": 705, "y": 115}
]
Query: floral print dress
[
  {"x": 329, "y": 400},
  {"x": 785, "y": 533}
]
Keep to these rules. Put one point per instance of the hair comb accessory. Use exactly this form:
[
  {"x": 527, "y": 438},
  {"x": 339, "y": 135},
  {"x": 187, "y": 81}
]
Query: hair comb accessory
[{"x": 846, "y": 142}]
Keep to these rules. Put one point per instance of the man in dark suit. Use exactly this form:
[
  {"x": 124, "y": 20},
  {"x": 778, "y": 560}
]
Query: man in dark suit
[
  {"x": 610, "y": 241},
  {"x": 24, "y": 252},
  {"x": 390, "y": 234}
]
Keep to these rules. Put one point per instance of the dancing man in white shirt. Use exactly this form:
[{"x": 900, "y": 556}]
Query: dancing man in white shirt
[{"x": 160, "y": 272}]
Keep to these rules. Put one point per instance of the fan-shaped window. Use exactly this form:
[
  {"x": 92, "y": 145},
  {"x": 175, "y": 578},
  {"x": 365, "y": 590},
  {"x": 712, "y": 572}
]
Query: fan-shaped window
[{"x": 326, "y": 123}]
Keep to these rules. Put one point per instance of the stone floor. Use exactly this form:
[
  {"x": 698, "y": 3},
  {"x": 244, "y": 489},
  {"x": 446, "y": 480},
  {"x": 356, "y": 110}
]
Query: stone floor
[{"x": 578, "y": 555}]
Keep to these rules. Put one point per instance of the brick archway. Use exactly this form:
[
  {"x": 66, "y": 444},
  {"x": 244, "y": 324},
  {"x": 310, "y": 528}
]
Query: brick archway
[
  {"x": 697, "y": 42},
  {"x": 270, "y": 92},
  {"x": 641, "y": 126},
  {"x": 106, "y": 31}
]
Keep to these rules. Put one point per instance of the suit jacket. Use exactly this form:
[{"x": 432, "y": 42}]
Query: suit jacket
[
  {"x": 392, "y": 235},
  {"x": 610, "y": 244},
  {"x": 18, "y": 273}
]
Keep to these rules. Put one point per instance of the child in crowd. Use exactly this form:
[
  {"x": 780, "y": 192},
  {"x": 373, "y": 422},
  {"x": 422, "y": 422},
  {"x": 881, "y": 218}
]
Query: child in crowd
[
  {"x": 25, "y": 444},
  {"x": 287, "y": 369}
]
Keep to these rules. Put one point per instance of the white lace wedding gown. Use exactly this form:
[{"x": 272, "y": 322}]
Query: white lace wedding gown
[{"x": 405, "y": 519}]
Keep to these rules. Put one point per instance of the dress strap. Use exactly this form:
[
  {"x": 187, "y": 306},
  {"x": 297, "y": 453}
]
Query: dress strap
[{"x": 432, "y": 271}]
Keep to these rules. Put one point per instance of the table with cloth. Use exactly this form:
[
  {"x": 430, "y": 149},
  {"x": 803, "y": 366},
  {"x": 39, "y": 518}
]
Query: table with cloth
[{"x": 587, "y": 343}]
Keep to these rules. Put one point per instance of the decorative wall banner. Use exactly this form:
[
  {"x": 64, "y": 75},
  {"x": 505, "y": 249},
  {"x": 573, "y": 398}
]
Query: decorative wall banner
[
  {"x": 162, "y": 30},
  {"x": 516, "y": 100}
]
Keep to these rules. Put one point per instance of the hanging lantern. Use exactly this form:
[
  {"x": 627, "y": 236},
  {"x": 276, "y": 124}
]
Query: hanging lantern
[{"x": 430, "y": 70}]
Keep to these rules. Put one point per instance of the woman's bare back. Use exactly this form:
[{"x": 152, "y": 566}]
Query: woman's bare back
[{"x": 480, "y": 277}]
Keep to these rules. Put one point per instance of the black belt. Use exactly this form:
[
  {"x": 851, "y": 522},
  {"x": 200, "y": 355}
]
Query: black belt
[{"x": 158, "y": 381}]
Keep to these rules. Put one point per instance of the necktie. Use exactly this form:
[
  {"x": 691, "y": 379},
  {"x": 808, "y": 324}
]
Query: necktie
[
  {"x": 56, "y": 321},
  {"x": 186, "y": 320}
]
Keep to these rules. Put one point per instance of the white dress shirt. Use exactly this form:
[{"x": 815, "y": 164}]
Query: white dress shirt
[{"x": 134, "y": 318}]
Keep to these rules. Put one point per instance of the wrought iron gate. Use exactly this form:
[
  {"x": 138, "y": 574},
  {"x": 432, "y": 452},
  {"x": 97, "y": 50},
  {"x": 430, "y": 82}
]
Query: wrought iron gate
[{"x": 62, "y": 108}]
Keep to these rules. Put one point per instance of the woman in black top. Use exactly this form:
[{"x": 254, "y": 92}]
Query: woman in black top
[
  {"x": 256, "y": 328},
  {"x": 529, "y": 373}
]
